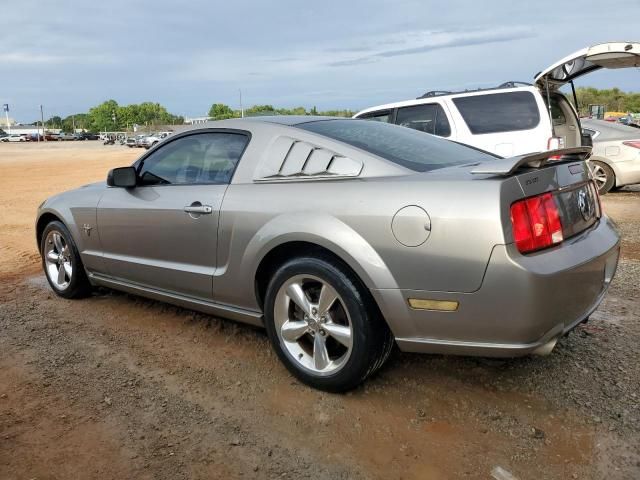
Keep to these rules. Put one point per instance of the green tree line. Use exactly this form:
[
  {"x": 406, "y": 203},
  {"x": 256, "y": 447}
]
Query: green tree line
[
  {"x": 109, "y": 116},
  {"x": 614, "y": 99},
  {"x": 220, "y": 111}
]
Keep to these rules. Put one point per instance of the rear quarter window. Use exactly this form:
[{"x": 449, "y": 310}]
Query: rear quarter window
[
  {"x": 407, "y": 147},
  {"x": 381, "y": 116},
  {"x": 428, "y": 118},
  {"x": 499, "y": 112}
]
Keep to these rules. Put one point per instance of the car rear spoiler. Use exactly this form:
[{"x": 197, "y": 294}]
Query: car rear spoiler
[{"x": 506, "y": 166}]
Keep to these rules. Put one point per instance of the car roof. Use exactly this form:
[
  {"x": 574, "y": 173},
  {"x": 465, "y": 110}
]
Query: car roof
[
  {"x": 289, "y": 120},
  {"x": 610, "y": 130},
  {"x": 431, "y": 97}
]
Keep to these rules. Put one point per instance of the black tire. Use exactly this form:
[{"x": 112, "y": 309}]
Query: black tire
[
  {"x": 79, "y": 285},
  {"x": 601, "y": 167},
  {"x": 372, "y": 340}
]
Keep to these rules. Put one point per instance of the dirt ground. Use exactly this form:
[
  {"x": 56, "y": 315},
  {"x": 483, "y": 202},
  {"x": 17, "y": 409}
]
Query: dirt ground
[{"x": 116, "y": 386}]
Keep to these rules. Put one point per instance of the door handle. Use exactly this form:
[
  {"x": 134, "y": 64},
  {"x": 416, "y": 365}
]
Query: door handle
[{"x": 200, "y": 209}]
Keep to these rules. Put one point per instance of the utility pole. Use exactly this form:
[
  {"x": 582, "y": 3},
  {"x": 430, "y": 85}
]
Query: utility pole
[
  {"x": 42, "y": 122},
  {"x": 241, "y": 109},
  {"x": 6, "y": 114}
]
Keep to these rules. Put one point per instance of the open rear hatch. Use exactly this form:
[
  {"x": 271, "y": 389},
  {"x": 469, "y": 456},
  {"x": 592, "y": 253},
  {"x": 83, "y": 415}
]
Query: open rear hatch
[
  {"x": 603, "y": 55},
  {"x": 558, "y": 201}
]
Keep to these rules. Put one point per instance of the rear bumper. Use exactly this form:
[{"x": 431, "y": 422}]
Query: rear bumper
[
  {"x": 627, "y": 172},
  {"x": 523, "y": 305}
]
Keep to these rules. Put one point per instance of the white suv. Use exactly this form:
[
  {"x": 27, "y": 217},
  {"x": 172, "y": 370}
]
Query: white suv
[{"x": 514, "y": 118}]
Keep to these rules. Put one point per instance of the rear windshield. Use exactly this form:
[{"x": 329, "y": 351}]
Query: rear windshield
[
  {"x": 410, "y": 148},
  {"x": 499, "y": 112}
]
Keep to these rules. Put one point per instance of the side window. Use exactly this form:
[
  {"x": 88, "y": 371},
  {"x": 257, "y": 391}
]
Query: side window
[
  {"x": 381, "y": 116},
  {"x": 430, "y": 118},
  {"x": 499, "y": 112},
  {"x": 194, "y": 159}
]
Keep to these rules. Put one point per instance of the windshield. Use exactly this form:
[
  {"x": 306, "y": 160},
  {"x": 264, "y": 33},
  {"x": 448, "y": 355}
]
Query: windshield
[{"x": 410, "y": 148}]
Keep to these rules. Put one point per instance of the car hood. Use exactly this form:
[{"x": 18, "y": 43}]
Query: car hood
[{"x": 90, "y": 190}]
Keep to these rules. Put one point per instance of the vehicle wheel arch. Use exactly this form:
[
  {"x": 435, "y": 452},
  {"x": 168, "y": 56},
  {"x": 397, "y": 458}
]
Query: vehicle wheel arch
[
  {"x": 612, "y": 165},
  {"x": 45, "y": 219},
  {"x": 288, "y": 250},
  {"x": 323, "y": 233},
  {"x": 63, "y": 215}
]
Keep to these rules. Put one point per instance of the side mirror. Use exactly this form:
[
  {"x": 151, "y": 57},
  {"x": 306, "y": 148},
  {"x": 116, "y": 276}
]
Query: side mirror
[
  {"x": 587, "y": 140},
  {"x": 124, "y": 177}
]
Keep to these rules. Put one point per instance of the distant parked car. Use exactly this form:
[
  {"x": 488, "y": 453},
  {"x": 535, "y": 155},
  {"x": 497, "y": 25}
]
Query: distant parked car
[
  {"x": 154, "y": 138},
  {"x": 67, "y": 136},
  {"x": 513, "y": 118},
  {"x": 14, "y": 137},
  {"x": 629, "y": 121},
  {"x": 87, "y": 136},
  {"x": 140, "y": 140},
  {"x": 133, "y": 142},
  {"x": 51, "y": 137},
  {"x": 615, "y": 161}
]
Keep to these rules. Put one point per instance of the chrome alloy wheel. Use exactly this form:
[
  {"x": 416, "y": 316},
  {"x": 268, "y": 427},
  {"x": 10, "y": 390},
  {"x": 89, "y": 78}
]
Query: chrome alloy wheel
[
  {"x": 57, "y": 257},
  {"x": 599, "y": 175},
  {"x": 313, "y": 324}
]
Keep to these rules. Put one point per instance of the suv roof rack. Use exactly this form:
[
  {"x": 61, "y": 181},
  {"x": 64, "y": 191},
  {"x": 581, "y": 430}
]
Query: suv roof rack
[
  {"x": 435, "y": 93},
  {"x": 514, "y": 84},
  {"x": 509, "y": 84}
]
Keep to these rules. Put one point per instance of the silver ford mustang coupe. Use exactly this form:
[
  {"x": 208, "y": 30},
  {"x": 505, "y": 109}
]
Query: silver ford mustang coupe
[{"x": 344, "y": 237}]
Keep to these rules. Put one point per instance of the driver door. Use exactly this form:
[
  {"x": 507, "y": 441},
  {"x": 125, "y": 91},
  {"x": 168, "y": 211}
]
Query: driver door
[{"x": 163, "y": 233}]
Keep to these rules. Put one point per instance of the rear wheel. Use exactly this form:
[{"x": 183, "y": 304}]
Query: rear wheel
[
  {"x": 61, "y": 262},
  {"x": 603, "y": 176},
  {"x": 323, "y": 326}
]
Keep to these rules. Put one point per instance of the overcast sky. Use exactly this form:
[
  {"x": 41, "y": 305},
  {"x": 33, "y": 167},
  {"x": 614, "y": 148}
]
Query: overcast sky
[{"x": 71, "y": 55}]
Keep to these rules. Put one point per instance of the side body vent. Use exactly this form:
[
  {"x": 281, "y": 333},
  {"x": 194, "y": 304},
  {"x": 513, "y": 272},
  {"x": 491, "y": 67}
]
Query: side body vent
[{"x": 291, "y": 159}]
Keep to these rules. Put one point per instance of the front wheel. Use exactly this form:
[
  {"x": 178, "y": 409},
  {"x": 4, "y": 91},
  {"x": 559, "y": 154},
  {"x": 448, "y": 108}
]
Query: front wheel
[
  {"x": 61, "y": 262},
  {"x": 323, "y": 325},
  {"x": 603, "y": 176}
]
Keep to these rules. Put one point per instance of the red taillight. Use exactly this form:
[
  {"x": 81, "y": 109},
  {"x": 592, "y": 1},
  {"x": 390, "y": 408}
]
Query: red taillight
[
  {"x": 632, "y": 143},
  {"x": 536, "y": 223},
  {"x": 555, "y": 143}
]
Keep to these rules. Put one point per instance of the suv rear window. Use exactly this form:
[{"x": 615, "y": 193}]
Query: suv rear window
[
  {"x": 429, "y": 118},
  {"x": 407, "y": 147},
  {"x": 499, "y": 112}
]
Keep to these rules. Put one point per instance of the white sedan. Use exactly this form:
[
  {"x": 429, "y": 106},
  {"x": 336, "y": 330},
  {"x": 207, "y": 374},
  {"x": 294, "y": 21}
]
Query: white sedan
[
  {"x": 616, "y": 154},
  {"x": 14, "y": 137}
]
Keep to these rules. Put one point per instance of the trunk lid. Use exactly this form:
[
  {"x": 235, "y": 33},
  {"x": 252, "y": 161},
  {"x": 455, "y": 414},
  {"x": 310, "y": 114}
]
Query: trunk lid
[
  {"x": 562, "y": 173},
  {"x": 573, "y": 190},
  {"x": 603, "y": 55}
]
